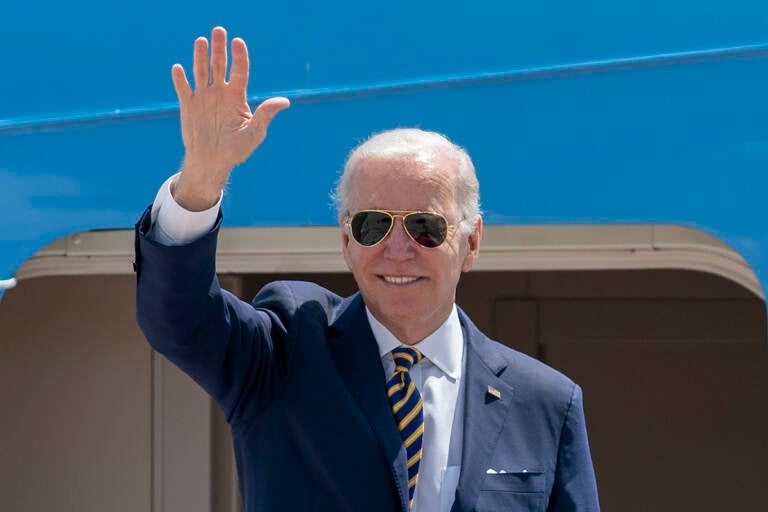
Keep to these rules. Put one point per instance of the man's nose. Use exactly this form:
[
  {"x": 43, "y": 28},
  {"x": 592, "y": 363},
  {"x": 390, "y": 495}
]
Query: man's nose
[{"x": 398, "y": 245}]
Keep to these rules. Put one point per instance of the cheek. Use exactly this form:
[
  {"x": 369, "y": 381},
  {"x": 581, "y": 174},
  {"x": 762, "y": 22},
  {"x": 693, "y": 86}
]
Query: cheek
[{"x": 356, "y": 257}]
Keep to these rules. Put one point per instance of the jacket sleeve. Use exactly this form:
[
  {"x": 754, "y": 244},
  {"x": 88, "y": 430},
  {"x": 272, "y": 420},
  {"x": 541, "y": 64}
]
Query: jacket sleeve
[
  {"x": 575, "y": 488},
  {"x": 226, "y": 345}
]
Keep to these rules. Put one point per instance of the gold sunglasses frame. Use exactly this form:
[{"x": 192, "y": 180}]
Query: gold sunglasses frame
[{"x": 394, "y": 214}]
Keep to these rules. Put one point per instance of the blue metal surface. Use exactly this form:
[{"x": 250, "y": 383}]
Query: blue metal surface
[{"x": 591, "y": 112}]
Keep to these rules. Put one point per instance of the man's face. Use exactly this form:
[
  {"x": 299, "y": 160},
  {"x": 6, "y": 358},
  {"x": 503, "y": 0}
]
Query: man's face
[{"x": 408, "y": 288}]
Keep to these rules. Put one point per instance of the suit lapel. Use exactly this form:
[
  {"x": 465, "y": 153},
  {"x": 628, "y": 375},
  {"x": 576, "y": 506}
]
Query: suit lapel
[
  {"x": 487, "y": 402},
  {"x": 356, "y": 354}
]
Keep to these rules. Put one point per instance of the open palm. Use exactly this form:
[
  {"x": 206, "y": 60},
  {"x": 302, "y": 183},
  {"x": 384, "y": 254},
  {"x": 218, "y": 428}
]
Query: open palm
[{"x": 218, "y": 128}]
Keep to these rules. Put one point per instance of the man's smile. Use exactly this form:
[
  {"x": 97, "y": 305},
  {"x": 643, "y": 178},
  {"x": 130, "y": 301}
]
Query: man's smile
[{"x": 400, "y": 279}]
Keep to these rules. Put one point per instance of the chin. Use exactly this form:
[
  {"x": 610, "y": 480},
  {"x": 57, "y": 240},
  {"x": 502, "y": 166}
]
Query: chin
[{"x": 401, "y": 312}]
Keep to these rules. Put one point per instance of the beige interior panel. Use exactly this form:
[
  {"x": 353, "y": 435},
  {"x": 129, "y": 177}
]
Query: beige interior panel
[
  {"x": 674, "y": 426},
  {"x": 76, "y": 398},
  {"x": 650, "y": 284},
  {"x": 181, "y": 441},
  {"x": 669, "y": 320},
  {"x": 674, "y": 369},
  {"x": 517, "y": 323},
  {"x": 478, "y": 291},
  {"x": 672, "y": 362}
]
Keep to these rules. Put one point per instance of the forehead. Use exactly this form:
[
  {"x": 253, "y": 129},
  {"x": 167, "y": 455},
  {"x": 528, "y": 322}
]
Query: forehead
[{"x": 404, "y": 183}]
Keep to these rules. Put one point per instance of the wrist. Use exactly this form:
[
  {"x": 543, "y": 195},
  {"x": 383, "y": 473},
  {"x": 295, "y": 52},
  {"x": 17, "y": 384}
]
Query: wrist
[{"x": 198, "y": 187}]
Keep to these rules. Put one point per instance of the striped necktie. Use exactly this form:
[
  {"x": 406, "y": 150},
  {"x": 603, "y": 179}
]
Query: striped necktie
[{"x": 407, "y": 409}]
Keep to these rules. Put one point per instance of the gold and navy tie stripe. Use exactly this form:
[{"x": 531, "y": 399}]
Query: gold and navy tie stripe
[{"x": 407, "y": 409}]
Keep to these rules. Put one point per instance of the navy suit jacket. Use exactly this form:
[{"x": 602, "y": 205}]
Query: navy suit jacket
[{"x": 298, "y": 375}]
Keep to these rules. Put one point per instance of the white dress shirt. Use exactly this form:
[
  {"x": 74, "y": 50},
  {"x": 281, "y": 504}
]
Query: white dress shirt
[
  {"x": 438, "y": 379},
  {"x": 174, "y": 225},
  {"x": 437, "y": 376}
]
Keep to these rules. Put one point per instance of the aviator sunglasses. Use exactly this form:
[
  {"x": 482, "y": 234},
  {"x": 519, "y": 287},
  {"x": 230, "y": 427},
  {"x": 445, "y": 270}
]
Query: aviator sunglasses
[{"x": 370, "y": 227}]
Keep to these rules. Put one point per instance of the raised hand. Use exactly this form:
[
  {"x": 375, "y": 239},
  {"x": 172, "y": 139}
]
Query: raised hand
[{"x": 217, "y": 126}]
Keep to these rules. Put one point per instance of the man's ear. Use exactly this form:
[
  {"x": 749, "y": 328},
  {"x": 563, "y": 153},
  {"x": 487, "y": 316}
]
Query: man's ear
[
  {"x": 345, "y": 241},
  {"x": 473, "y": 246}
]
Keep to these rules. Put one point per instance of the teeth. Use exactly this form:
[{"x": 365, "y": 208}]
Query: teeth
[{"x": 399, "y": 280}]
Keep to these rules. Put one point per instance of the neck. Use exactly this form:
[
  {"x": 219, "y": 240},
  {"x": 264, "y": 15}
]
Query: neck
[{"x": 410, "y": 332}]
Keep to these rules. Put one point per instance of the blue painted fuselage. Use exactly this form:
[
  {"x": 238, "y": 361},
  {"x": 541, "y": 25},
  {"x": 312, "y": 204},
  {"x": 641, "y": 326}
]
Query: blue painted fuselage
[{"x": 591, "y": 112}]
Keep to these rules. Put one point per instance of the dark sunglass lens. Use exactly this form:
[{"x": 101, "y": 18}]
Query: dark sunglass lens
[
  {"x": 369, "y": 228},
  {"x": 428, "y": 229}
]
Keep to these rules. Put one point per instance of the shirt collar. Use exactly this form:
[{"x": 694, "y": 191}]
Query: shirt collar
[{"x": 444, "y": 348}]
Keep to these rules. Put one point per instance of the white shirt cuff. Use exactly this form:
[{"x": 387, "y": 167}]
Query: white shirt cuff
[{"x": 175, "y": 225}]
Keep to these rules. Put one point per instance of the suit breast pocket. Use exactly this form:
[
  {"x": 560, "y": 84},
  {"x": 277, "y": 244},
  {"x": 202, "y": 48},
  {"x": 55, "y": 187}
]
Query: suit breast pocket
[{"x": 513, "y": 492}]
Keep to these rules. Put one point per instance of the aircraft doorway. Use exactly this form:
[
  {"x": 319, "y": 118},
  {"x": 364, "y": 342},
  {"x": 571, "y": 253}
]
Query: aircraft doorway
[{"x": 668, "y": 343}]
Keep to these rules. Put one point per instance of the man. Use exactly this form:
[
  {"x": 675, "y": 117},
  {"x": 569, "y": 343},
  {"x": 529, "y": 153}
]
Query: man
[{"x": 387, "y": 400}]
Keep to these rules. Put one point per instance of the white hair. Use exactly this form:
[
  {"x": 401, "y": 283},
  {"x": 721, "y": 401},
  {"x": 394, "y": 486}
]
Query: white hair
[{"x": 418, "y": 146}]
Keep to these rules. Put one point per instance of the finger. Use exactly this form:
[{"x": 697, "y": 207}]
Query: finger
[
  {"x": 180, "y": 83},
  {"x": 200, "y": 63},
  {"x": 267, "y": 111},
  {"x": 271, "y": 106},
  {"x": 238, "y": 76},
  {"x": 218, "y": 55}
]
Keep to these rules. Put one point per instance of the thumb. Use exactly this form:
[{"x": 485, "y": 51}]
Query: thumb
[{"x": 269, "y": 108}]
